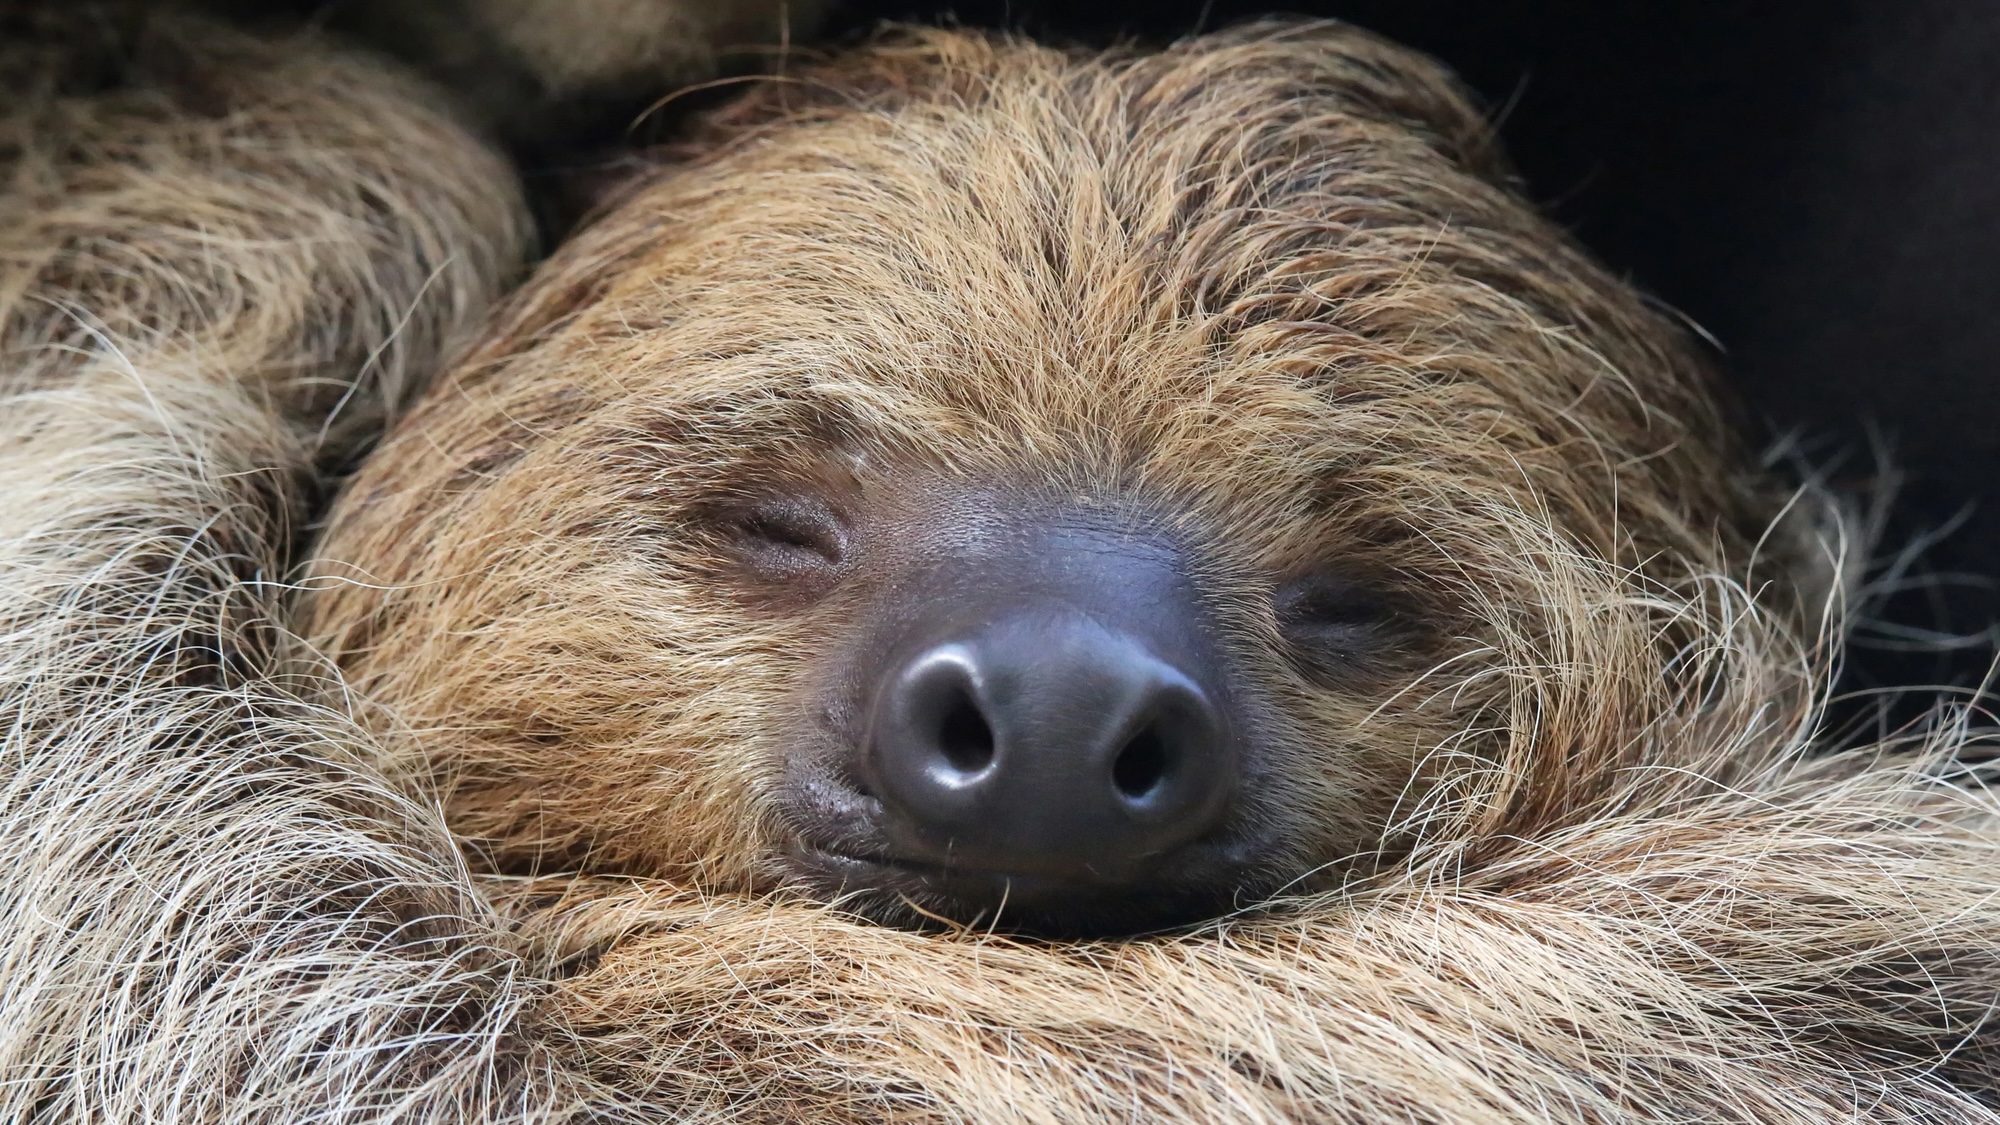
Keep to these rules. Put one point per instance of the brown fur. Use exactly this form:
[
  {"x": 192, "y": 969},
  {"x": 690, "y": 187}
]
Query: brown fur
[
  {"x": 1268, "y": 276},
  {"x": 222, "y": 260},
  {"x": 1265, "y": 287},
  {"x": 1274, "y": 282}
]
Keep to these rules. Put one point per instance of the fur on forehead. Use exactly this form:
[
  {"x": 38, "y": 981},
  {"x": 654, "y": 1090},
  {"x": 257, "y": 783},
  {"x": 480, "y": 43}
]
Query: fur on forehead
[{"x": 1278, "y": 253}]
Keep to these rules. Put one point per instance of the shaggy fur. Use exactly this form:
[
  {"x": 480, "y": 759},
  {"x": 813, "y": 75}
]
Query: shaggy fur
[
  {"x": 212, "y": 280},
  {"x": 1264, "y": 290},
  {"x": 1268, "y": 275}
]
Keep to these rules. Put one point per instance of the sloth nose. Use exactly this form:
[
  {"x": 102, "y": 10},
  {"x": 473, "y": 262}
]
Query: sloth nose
[{"x": 1048, "y": 744}]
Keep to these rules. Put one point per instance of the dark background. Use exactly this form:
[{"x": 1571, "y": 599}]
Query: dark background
[{"x": 1816, "y": 184}]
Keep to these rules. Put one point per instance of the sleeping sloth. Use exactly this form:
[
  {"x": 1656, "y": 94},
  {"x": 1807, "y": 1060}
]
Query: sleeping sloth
[
  {"x": 991, "y": 584},
  {"x": 1080, "y": 493}
]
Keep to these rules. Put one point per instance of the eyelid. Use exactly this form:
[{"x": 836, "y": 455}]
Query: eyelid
[
  {"x": 1330, "y": 599},
  {"x": 793, "y": 523},
  {"x": 1340, "y": 629}
]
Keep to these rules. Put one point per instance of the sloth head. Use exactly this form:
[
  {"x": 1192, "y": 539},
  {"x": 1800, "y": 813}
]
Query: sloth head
[{"x": 1096, "y": 490}]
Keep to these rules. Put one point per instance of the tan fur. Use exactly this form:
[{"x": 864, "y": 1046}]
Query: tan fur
[
  {"x": 1272, "y": 282},
  {"x": 221, "y": 261},
  {"x": 581, "y": 43},
  {"x": 1268, "y": 275},
  {"x": 1266, "y": 285}
]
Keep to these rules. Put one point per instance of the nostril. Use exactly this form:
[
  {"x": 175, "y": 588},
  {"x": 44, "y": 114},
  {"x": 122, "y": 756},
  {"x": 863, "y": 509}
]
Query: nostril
[
  {"x": 964, "y": 737},
  {"x": 1141, "y": 767},
  {"x": 1046, "y": 745}
]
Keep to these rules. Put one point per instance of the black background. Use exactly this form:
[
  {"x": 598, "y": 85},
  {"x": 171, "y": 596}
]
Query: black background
[{"x": 1816, "y": 184}]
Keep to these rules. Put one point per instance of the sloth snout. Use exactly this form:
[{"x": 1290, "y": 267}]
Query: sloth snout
[
  {"x": 1050, "y": 743},
  {"x": 1051, "y": 710}
]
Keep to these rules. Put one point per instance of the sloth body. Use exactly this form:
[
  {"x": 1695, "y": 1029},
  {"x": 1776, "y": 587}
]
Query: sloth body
[{"x": 1239, "y": 361}]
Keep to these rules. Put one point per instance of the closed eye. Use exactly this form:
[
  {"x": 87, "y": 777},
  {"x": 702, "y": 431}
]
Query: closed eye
[
  {"x": 1336, "y": 625},
  {"x": 788, "y": 537}
]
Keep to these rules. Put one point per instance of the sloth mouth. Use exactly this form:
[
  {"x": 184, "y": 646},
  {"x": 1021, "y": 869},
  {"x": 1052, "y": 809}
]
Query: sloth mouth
[
  {"x": 924, "y": 894},
  {"x": 836, "y": 843},
  {"x": 930, "y": 872}
]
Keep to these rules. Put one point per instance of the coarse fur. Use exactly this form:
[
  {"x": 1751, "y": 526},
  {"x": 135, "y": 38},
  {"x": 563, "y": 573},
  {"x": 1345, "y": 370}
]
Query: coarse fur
[
  {"x": 222, "y": 259},
  {"x": 1633, "y": 892},
  {"x": 1268, "y": 291}
]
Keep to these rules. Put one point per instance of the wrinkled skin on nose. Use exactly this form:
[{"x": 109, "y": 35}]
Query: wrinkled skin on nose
[{"x": 1048, "y": 731}]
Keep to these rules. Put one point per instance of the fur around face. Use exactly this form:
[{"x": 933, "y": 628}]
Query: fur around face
[
  {"x": 1265, "y": 291},
  {"x": 222, "y": 261},
  {"x": 217, "y": 904}
]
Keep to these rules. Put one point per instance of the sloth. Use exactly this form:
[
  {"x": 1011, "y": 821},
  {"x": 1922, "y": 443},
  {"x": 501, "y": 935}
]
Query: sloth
[
  {"x": 989, "y": 583},
  {"x": 1073, "y": 494}
]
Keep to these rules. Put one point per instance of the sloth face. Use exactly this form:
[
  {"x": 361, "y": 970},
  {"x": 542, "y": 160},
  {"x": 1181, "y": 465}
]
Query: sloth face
[
  {"x": 1080, "y": 707},
  {"x": 1087, "y": 492}
]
